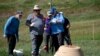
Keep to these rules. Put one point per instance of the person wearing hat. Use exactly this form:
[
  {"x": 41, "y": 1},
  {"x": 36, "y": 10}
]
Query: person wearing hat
[
  {"x": 47, "y": 31},
  {"x": 11, "y": 31},
  {"x": 35, "y": 22}
]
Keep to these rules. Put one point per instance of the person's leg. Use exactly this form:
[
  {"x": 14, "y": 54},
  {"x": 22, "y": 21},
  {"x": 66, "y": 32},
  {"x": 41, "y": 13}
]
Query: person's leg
[
  {"x": 39, "y": 42},
  {"x": 48, "y": 44},
  {"x": 11, "y": 43},
  {"x": 51, "y": 43},
  {"x": 67, "y": 38},
  {"x": 61, "y": 38},
  {"x": 36, "y": 42},
  {"x": 33, "y": 38},
  {"x": 55, "y": 41},
  {"x": 47, "y": 37},
  {"x": 8, "y": 41}
]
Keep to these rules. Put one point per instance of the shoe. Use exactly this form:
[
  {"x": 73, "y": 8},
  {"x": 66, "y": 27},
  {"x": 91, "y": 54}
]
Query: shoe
[
  {"x": 11, "y": 55},
  {"x": 35, "y": 55},
  {"x": 45, "y": 47}
]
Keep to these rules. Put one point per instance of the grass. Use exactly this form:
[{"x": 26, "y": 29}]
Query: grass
[
  {"x": 81, "y": 35},
  {"x": 83, "y": 15}
]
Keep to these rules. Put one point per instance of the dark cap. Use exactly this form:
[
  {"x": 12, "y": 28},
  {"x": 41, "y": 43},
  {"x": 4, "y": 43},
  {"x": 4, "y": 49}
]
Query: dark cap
[
  {"x": 19, "y": 12},
  {"x": 53, "y": 10}
]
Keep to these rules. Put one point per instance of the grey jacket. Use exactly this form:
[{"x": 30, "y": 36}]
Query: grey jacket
[{"x": 38, "y": 27}]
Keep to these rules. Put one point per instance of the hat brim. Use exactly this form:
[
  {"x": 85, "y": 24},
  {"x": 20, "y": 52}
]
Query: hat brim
[
  {"x": 20, "y": 14},
  {"x": 36, "y": 9},
  {"x": 49, "y": 14}
]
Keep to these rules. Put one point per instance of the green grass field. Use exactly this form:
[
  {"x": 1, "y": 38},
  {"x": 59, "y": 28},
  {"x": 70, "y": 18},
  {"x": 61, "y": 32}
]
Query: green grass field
[{"x": 84, "y": 16}]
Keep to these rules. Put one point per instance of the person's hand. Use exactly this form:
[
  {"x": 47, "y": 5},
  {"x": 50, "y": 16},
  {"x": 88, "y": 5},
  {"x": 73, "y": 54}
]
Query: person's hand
[
  {"x": 45, "y": 48},
  {"x": 45, "y": 28},
  {"x": 70, "y": 45},
  {"x": 57, "y": 21},
  {"x": 32, "y": 24},
  {"x": 54, "y": 20},
  {"x": 68, "y": 26},
  {"x": 4, "y": 36}
]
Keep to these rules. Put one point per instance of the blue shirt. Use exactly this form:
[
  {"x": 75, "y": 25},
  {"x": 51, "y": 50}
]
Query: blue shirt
[
  {"x": 11, "y": 26},
  {"x": 57, "y": 24}
]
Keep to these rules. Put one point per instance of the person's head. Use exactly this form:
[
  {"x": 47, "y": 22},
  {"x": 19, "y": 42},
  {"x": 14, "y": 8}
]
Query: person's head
[
  {"x": 61, "y": 12},
  {"x": 19, "y": 14},
  {"x": 53, "y": 11},
  {"x": 36, "y": 9},
  {"x": 49, "y": 14}
]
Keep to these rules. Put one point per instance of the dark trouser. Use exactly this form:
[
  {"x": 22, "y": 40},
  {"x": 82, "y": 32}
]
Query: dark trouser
[
  {"x": 36, "y": 42},
  {"x": 11, "y": 43},
  {"x": 67, "y": 37},
  {"x": 60, "y": 38},
  {"x": 47, "y": 40},
  {"x": 55, "y": 43},
  {"x": 57, "y": 40}
]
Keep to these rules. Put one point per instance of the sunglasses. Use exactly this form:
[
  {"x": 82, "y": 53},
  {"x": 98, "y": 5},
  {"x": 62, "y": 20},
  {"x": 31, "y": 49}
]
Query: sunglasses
[{"x": 36, "y": 10}]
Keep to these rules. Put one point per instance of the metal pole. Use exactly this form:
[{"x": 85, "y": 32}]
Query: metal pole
[
  {"x": 93, "y": 31},
  {"x": 50, "y": 3}
]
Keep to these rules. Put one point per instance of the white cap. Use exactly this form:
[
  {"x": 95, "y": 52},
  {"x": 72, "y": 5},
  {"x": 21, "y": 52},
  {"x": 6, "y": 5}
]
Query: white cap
[
  {"x": 61, "y": 12},
  {"x": 36, "y": 7},
  {"x": 49, "y": 13}
]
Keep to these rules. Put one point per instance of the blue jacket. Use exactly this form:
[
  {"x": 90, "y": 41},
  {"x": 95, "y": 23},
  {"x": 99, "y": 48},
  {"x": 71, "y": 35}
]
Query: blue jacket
[
  {"x": 11, "y": 26},
  {"x": 57, "y": 24}
]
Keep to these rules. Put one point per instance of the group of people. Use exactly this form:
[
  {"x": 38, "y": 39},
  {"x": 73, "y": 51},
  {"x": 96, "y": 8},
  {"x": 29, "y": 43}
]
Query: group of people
[{"x": 54, "y": 29}]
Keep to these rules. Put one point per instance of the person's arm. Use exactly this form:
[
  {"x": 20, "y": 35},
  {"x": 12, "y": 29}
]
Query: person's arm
[
  {"x": 53, "y": 21},
  {"x": 45, "y": 27},
  {"x": 28, "y": 21},
  {"x": 68, "y": 26},
  {"x": 17, "y": 33},
  {"x": 7, "y": 25},
  {"x": 68, "y": 23},
  {"x": 60, "y": 18},
  {"x": 45, "y": 24},
  {"x": 60, "y": 21}
]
